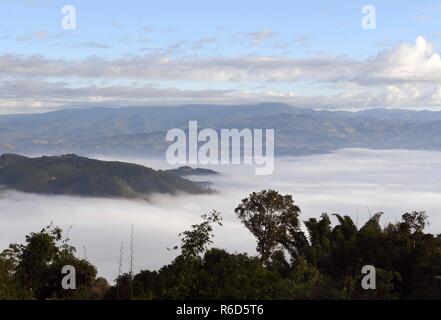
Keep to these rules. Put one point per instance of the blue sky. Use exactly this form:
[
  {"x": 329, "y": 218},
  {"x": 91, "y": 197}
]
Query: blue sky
[
  {"x": 324, "y": 26},
  {"x": 194, "y": 32}
]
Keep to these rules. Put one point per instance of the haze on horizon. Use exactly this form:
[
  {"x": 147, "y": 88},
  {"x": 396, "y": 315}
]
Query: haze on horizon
[{"x": 314, "y": 54}]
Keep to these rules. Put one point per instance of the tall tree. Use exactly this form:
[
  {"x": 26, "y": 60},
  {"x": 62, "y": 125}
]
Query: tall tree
[{"x": 272, "y": 218}]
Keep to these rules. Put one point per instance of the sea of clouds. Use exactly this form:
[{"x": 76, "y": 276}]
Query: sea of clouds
[{"x": 356, "y": 182}]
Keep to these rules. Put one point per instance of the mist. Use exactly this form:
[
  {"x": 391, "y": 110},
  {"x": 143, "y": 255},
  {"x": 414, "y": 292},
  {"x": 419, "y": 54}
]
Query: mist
[{"x": 356, "y": 182}]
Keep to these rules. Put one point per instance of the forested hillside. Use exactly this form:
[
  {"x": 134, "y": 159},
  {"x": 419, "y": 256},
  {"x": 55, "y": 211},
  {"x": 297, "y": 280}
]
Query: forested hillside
[
  {"x": 74, "y": 175},
  {"x": 142, "y": 130}
]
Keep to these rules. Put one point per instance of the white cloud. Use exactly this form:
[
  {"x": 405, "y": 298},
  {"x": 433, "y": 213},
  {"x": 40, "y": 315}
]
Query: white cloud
[
  {"x": 389, "y": 181},
  {"x": 164, "y": 67},
  {"x": 404, "y": 76},
  {"x": 405, "y": 63},
  {"x": 259, "y": 37}
]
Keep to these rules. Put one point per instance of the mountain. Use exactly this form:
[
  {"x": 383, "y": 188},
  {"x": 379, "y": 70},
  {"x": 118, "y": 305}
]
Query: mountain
[
  {"x": 141, "y": 130},
  {"x": 189, "y": 171},
  {"x": 74, "y": 175}
]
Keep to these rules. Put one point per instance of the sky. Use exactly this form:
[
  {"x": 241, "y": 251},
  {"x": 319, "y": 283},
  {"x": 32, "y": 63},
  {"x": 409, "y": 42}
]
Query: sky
[{"x": 315, "y": 54}]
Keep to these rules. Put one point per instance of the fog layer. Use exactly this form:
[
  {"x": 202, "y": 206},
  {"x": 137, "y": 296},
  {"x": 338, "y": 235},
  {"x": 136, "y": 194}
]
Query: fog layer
[{"x": 355, "y": 182}]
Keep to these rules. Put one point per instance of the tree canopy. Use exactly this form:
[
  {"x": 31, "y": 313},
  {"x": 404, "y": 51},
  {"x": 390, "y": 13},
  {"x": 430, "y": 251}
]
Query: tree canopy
[{"x": 319, "y": 258}]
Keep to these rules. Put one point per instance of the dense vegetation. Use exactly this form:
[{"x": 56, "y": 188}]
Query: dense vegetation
[
  {"x": 323, "y": 263},
  {"x": 189, "y": 171},
  {"x": 33, "y": 270},
  {"x": 74, "y": 175}
]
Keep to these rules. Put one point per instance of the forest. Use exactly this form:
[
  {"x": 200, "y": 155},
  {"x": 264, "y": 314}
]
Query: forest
[{"x": 308, "y": 260}]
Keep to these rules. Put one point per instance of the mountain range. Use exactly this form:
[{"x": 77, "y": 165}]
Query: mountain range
[{"x": 142, "y": 130}]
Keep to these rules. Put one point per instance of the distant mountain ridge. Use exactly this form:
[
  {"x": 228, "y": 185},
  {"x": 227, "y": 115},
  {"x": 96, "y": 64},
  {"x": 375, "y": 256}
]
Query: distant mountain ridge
[
  {"x": 74, "y": 175},
  {"x": 142, "y": 130},
  {"x": 189, "y": 171}
]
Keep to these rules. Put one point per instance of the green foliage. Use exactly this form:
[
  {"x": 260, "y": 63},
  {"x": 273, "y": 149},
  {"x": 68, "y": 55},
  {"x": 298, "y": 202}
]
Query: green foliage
[
  {"x": 196, "y": 240},
  {"x": 323, "y": 263},
  {"x": 74, "y": 175},
  {"x": 271, "y": 218},
  {"x": 33, "y": 270},
  {"x": 416, "y": 220}
]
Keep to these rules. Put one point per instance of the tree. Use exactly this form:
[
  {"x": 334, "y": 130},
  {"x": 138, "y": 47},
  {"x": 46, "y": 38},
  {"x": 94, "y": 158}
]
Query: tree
[
  {"x": 196, "y": 240},
  {"x": 184, "y": 271},
  {"x": 326, "y": 265},
  {"x": 416, "y": 220},
  {"x": 319, "y": 238},
  {"x": 8, "y": 289},
  {"x": 34, "y": 268},
  {"x": 272, "y": 218}
]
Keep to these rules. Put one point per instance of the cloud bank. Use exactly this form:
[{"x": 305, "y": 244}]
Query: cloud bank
[
  {"x": 408, "y": 75},
  {"x": 353, "y": 182}
]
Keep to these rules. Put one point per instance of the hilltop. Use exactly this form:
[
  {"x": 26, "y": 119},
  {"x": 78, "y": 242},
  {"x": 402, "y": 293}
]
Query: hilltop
[{"x": 74, "y": 175}]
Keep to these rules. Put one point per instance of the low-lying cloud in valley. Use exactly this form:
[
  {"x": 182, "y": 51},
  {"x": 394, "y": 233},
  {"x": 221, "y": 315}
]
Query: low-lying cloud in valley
[{"x": 350, "y": 181}]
